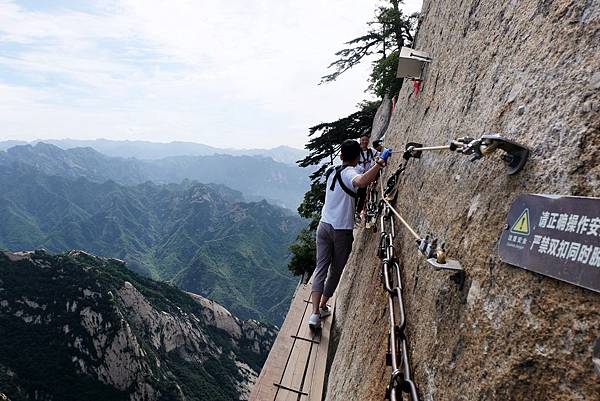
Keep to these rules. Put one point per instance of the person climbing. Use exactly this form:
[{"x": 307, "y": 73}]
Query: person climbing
[
  {"x": 334, "y": 233},
  {"x": 367, "y": 153},
  {"x": 367, "y": 159}
]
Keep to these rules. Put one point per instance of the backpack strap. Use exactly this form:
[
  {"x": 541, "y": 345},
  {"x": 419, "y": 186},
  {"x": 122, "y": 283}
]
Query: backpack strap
[
  {"x": 338, "y": 178},
  {"x": 330, "y": 170}
]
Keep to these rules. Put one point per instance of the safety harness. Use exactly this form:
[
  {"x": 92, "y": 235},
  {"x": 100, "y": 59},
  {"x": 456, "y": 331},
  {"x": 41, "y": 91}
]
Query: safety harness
[
  {"x": 366, "y": 159},
  {"x": 338, "y": 178}
]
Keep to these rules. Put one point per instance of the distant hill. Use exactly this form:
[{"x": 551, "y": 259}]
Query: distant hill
[
  {"x": 73, "y": 163},
  {"x": 283, "y": 154},
  {"x": 9, "y": 144},
  {"x": 77, "y": 327},
  {"x": 256, "y": 177},
  {"x": 155, "y": 150},
  {"x": 200, "y": 237}
]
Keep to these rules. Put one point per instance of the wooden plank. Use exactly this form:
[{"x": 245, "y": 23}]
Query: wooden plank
[
  {"x": 307, "y": 384},
  {"x": 264, "y": 389},
  {"x": 296, "y": 354},
  {"x": 305, "y": 351},
  {"x": 306, "y": 370},
  {"x": 295, "y": 367},
  {"x": 318, "y": 371}
]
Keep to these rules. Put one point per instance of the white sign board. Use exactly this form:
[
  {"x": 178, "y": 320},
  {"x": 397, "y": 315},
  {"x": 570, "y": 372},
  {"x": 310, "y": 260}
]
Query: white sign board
[{"x": 411, "y": 63}]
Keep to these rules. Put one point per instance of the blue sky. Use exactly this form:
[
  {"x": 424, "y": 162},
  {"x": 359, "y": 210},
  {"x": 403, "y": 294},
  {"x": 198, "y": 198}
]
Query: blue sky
[{"x": 236, "y": 73}]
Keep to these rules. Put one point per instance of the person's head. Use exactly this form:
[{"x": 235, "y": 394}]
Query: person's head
[
  {"x": 350, "y": 150},
  {"x": 364, "y": 140},
  {"x": 377, "y": 145}
]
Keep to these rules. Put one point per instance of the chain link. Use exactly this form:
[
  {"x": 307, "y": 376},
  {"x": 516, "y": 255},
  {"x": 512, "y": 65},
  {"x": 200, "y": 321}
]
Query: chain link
[
  {"x": 391, "y": 278},
  {"x": 391, "y": 274},
  {"x": 401, "y": 379}
]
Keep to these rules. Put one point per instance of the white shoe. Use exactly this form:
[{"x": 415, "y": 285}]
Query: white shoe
[
  {"x": 314, "y": 321},
  {"x": 325, "y": 311}
]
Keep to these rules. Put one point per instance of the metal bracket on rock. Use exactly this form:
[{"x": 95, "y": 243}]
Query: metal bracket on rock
[
  {"x": 515, "y": 155},
  {"x": 436, "y": 255},
  {"x": 428, "y": 245}
]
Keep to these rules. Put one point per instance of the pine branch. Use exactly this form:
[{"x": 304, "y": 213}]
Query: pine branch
[{"x": 352, "y": 56}]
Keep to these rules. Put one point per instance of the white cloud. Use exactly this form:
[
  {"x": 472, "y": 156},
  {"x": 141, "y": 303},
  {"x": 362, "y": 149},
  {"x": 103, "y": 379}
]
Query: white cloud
[{"x": 235, "y": 73}]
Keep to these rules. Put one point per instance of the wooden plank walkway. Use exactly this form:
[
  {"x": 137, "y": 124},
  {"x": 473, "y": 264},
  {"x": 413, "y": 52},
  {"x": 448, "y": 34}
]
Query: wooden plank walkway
[{"x": 295, "y": 367}]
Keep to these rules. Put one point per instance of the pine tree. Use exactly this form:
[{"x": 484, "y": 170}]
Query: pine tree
[{"x": 389, "y": 31}]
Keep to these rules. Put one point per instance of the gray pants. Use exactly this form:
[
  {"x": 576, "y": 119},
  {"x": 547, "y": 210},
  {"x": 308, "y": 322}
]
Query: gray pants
[{"x": 333, "y": 249}]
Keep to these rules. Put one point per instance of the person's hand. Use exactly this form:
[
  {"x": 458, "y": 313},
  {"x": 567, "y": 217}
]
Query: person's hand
[{"x": 387, "y": 152}]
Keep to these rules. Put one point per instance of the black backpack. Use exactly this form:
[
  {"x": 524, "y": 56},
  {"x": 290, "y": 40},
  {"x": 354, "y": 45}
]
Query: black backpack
[{"x": 338, "y": 178}]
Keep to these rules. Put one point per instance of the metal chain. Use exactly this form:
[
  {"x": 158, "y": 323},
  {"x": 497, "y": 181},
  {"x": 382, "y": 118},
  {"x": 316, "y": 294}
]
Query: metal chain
[
  {"x": 372, "y": 209},
  {"x": 393, "y": 179},
  {"x": 400, "y": 380},
  {"x": 391, "y": 277}
]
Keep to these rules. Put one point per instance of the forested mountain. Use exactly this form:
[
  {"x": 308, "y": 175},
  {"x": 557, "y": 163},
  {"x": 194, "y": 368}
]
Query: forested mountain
[
  {"x": 200, "y": 237},
  {"x": 256, "y": 177},
  {"x": 155, "y": 150},
  {"x": 77, "y": 327}
]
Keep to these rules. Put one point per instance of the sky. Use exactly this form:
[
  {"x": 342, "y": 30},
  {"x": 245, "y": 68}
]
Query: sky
[{"x": 237, "y": 73}]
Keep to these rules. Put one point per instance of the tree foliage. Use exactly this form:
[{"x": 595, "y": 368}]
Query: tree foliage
[
  {"x": 388, "y": 32},
  {"x": 326, "y": 138},
  {"x": 304, "y": 252}
]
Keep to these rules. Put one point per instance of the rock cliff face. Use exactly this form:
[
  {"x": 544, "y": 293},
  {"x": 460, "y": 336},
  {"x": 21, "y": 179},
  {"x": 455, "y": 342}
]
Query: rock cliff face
[
  {"x": 529, "y": 70},
  {"x": 80, "y": 327}
]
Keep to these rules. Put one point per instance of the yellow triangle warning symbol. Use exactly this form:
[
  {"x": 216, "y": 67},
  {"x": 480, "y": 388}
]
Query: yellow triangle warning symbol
[{"x": 521, "y": 226}]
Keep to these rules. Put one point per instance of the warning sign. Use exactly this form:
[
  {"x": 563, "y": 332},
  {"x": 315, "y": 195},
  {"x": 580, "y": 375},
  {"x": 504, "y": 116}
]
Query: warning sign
[
  {"x": 558, "y": 236},
  {"x": 522, "y": 224}
]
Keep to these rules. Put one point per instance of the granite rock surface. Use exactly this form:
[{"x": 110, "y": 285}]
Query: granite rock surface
[{"x": 527, "y": 70}]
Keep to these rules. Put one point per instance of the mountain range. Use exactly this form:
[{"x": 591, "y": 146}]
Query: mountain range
[
  {"x": 78, "y": 327},
  {"x": 200, "y": 237},
  {"x": 257, "y": 177},
  {"x": 154, "y": 150}
]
